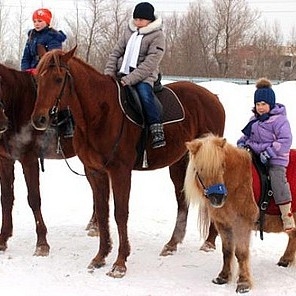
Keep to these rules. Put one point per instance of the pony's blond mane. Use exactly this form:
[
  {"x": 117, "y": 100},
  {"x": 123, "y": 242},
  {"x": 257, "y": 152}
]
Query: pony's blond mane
[{"x": 207, "y": 157}]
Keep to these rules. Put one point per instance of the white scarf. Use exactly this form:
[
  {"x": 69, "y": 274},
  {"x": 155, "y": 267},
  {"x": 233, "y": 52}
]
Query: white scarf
[{"x": 131, "y": 53}]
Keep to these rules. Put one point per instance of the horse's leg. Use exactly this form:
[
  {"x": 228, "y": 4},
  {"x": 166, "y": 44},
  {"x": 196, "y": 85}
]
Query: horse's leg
[
  {"x": 210, "y": 242},
  {"x": 99, "y": 182},
  {"x": 227, "y": 239},
  {"x": 289, "y": 255},
  {"x": 93, "y": 226},
  {"x": 177, "y": 174},
  {"x": 121, "y": 184},
  {"x": 31, "y": 173},
  {"x": 242, "y": 254},
  {"x": 7, "y": 199}
]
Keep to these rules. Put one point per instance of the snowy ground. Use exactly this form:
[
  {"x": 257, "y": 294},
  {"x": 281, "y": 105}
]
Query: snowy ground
[{"x": 67, "y": 206}]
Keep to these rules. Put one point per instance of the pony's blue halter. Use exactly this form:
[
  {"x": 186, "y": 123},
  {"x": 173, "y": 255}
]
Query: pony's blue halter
[{"x": 216, "y": 189}]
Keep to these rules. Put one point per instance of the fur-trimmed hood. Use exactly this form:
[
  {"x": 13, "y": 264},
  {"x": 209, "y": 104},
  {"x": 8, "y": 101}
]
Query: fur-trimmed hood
[{"x": 153, "y": 26}]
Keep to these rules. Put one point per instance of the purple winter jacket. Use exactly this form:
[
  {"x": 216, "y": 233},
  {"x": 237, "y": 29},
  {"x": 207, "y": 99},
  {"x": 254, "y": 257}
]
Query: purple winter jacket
[{"x": 273, "y": 135}]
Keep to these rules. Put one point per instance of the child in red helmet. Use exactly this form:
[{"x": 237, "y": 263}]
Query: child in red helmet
[{"x": 42, "y": 34}]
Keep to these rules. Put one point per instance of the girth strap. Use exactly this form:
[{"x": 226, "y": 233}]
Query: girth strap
[{"x": 266, "y": 190}]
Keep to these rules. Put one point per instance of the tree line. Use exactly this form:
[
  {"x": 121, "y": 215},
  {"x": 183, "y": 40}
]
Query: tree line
[{"x": 224, "y": 39}]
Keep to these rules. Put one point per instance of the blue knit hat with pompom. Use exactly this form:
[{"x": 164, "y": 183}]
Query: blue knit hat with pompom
[{"x": 264, "y": 92}]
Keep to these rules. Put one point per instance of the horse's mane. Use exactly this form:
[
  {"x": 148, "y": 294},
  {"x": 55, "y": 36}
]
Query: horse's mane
[
  {"x": 15, "y": 82},
  {"x": 208, "y": 156},
  {"x": 53, "y": 57},
  {"x": 212, "y": 150}
]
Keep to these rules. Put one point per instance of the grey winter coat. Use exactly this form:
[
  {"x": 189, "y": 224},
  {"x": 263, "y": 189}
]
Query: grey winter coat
[{"x": 151, "y": 52}]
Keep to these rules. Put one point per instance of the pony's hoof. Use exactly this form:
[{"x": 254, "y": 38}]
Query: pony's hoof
[
  {"x": 243, "y": 287},
  {"x": 42, "y": 251},
  {"x": 219, "y": 281},
  {"x": 168, "y": 250},
  {"x": 283, "y": 263},
  {"x": 117, "y": 272},
  {"x": 208, "y": 247}
]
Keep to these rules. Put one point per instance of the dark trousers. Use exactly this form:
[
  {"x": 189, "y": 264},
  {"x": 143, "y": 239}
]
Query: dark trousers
[{"x": 146, "y": 95}]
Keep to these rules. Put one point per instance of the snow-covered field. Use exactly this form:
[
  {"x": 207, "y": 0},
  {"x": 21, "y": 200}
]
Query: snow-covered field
[{"x": 67, "y": 206}]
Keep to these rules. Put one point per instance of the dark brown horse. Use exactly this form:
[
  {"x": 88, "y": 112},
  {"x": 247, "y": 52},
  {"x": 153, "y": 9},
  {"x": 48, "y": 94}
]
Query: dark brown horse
[
  {"x": 106, "y": 140},
  {"x": 19, "y": 141}
]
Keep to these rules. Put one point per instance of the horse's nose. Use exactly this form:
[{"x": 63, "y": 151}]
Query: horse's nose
[
  {"x": 40, "y": 123},
  {"x": 217, "y": 200}
]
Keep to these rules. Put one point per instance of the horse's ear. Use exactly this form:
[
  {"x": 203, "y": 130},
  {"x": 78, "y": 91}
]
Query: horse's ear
[
  {"x": 220, "y": 142},
  {"x": 41, "y": 50},
  {"x": 67, "y": 56},
  {"x": 193, "y": 146}
]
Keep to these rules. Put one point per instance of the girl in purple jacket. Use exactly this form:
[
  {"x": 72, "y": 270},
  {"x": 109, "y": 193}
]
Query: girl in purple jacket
[{"x": 268, "y": 134}]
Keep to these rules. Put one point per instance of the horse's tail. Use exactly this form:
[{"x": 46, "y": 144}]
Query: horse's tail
[{"x": 194, "y": 195}]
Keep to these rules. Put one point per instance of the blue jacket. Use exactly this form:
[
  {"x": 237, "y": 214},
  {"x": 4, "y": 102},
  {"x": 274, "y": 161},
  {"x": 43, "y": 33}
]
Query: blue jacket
[
  {"x": 50, "y": 38},
  {"x": 273, "y": 135}
]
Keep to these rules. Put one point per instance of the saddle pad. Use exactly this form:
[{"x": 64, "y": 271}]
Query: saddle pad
[
  {"x": 273, "y": 209},
  {"x": 173, "y": 110}
]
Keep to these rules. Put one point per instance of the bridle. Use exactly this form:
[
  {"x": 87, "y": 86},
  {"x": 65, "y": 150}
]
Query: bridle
[
  {"x": 218, "y": 189},
  {"x": 53, "y": 112}
]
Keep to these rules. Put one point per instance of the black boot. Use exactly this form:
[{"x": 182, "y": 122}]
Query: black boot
[
  {"x": 65, "y": 123},
  {"x": 157, "y": 133}
]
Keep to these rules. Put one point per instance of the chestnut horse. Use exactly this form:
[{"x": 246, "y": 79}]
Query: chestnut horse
[
  {"x": 235, "y": 214},
  {"x": 20, "y": 141},
  {"x": 105, "y": 141}
]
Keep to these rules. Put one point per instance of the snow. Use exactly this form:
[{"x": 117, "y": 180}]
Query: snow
[{"x": 67, "y": 207}]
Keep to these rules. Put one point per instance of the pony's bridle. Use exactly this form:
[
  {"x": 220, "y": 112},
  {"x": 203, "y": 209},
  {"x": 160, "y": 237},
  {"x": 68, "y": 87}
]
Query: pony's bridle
[{"x": 218, "y": 189}]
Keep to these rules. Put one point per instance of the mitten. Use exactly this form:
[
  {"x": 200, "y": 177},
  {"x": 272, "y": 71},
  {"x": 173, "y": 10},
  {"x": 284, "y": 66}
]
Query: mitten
[
  {"x": 264, "y": 157},
  {"x": 241, "y": 145}
]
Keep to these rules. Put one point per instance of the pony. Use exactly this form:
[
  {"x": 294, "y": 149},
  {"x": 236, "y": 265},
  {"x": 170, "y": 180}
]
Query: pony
[
  {"x": 219, "y": 179},
  {"x": 271, "y": 220},
  {"x": 106, "y": 141},
  {"x": 20, "y": 142}
]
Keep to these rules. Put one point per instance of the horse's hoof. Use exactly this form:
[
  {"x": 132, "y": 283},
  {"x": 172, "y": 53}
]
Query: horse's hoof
[
  {"x": 93, "y": 232},
  {"x": 208, "y": 247},
  {"x": 243, "y": 287},
  {"x": 219, "y": 281},
  {"x": 117, "y": 272},
  {"x": 96, "y": 264},
  {"x": 168, "y": 250},
  {"x": 3, "y": 247},
  {"x": 42, "y": 251}
]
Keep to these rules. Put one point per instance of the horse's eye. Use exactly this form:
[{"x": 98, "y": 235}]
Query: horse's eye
[{"x": 59, "y": 80}]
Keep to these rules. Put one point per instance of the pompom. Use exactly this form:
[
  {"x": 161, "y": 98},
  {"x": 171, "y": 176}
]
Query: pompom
[{"x": 263, "y": 83}]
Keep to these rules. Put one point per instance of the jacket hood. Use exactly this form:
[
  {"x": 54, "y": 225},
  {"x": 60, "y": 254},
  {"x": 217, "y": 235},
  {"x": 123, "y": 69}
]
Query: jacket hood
[
  {"x": 278, "y": 109},
  {"x": 153, "y": 26}
]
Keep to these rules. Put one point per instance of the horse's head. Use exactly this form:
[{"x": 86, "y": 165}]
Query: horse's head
[
  {"x": 54, "y": 84},
  {"x": 205, "y": 170},
  {"x": 3, "y": 118}
]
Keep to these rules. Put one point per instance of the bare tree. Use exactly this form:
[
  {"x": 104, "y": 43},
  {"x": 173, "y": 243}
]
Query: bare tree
[
  {"x": 231, "y": 21},
  {"x": 5, "y": 46}
]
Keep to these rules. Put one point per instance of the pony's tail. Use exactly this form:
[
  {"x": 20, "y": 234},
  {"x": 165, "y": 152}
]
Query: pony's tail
[{"x": 194, "y": 195}]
